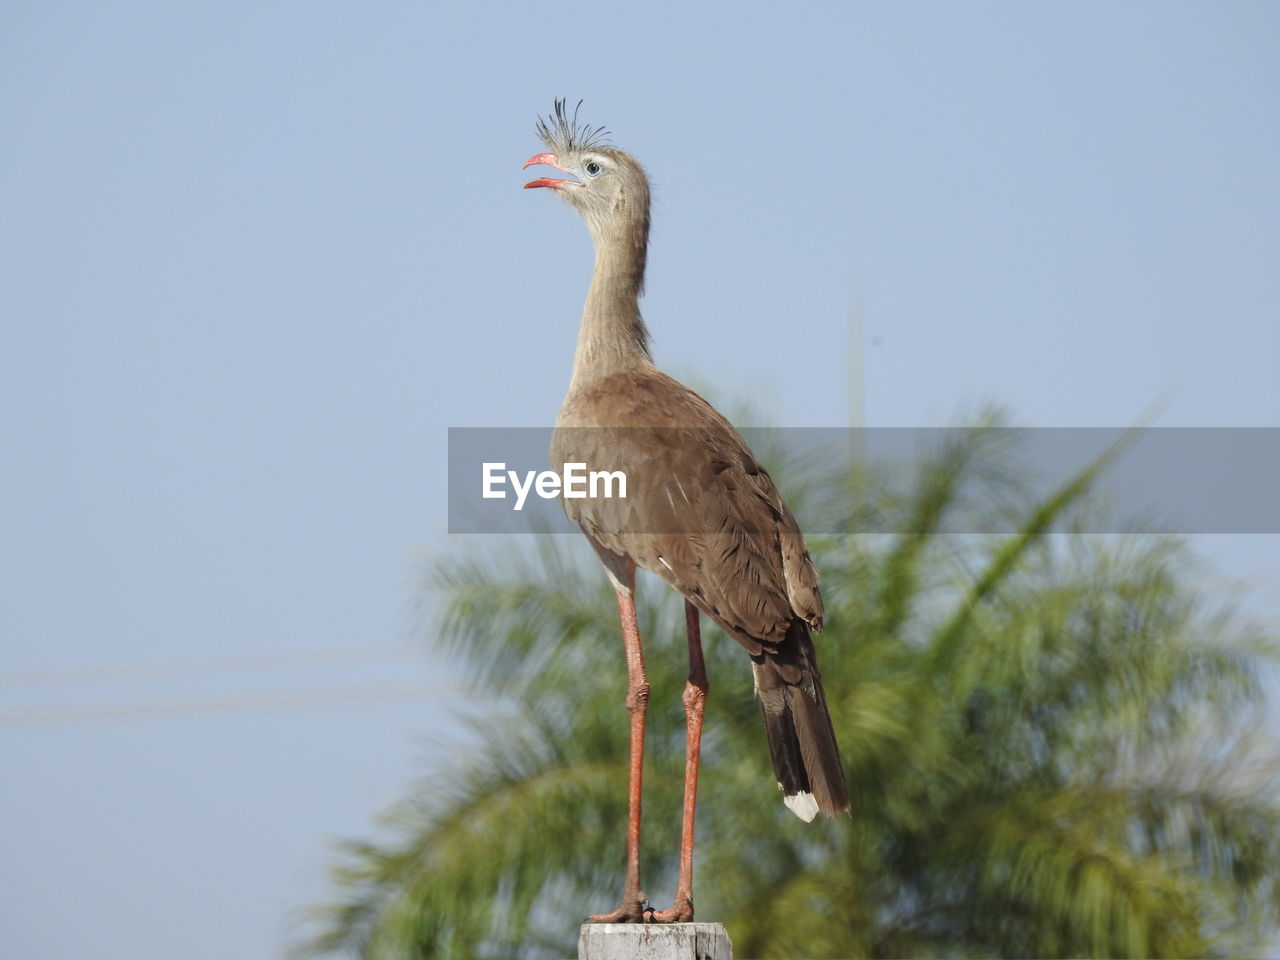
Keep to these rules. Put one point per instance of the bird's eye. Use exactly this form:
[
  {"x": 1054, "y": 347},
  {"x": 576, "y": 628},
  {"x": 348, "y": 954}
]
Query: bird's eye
[{"x": 592, "y": 168}]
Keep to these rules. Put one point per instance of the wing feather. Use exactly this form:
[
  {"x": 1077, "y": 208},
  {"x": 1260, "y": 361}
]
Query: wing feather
[{"x": 700, "y": 512}]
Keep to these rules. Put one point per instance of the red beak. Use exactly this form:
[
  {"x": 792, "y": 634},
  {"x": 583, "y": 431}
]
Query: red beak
[{"x": 549, "y": 159}]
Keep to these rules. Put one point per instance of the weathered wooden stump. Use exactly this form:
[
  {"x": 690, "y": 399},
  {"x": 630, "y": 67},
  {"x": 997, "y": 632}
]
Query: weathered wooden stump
[{"x": 654, "y": 941}]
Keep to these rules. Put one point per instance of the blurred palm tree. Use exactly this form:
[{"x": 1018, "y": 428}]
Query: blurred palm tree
[{"x": 1050, "y": 745}]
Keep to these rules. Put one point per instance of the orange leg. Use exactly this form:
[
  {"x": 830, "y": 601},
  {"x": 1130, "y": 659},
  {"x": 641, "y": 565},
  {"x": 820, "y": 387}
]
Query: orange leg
[
  {"x": 633, "y": 900},
  {"x": 695, "y": 699}
]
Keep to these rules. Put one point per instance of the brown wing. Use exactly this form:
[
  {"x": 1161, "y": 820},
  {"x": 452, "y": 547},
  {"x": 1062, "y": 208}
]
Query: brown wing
[{"x": 700, "y": 511}]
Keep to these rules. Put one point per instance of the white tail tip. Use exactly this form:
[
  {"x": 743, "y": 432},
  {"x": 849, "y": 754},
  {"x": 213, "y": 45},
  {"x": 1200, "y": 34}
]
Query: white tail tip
[{"x": 802, "y": 805}]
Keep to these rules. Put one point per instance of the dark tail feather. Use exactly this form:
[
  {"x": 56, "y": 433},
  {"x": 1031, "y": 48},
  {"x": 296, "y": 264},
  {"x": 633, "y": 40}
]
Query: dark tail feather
[{"x": 801, "y": 739}]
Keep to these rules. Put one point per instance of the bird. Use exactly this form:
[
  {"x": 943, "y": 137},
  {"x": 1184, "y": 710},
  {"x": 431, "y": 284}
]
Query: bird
[{"x": 700, "y": 512}]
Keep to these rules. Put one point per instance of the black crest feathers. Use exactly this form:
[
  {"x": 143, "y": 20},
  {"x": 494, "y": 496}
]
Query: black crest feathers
[{"x": 563, "y": 133}]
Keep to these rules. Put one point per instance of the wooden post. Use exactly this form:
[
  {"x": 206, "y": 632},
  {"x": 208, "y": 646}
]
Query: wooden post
[{"x": 654, "y": 941}]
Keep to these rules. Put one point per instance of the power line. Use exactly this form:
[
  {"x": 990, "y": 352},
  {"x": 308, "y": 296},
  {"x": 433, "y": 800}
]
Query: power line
[
  {"x": 223, "y": 704},
  {"x": 196, "y": 667}
]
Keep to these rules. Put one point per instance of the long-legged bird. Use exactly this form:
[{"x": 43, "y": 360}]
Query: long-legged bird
[{"x": 700, "y": 512}]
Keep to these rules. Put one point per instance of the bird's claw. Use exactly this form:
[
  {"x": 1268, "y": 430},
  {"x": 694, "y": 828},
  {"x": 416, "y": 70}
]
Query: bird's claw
[
  {"x": 632, "y": 910},
  {"x": 637, "y": 910},
  {"x": 679, "y": 912}
]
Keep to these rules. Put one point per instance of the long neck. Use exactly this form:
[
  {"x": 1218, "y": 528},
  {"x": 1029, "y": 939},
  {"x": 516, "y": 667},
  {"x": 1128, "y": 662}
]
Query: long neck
[{"x": 613, "y": 337}]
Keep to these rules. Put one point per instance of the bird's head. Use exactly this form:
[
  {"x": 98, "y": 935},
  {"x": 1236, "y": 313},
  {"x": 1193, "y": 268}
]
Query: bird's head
[{"x": 609, "y": 187}]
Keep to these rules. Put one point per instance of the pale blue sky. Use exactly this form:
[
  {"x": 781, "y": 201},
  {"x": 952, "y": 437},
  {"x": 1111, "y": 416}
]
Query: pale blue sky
[{"x": 257, "y": 257}]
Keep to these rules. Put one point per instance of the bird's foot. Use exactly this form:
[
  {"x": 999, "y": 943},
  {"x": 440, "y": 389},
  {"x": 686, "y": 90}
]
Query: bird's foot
[
  {"x": 633, "y": 910},
  {"x": 679, "y": 912}
]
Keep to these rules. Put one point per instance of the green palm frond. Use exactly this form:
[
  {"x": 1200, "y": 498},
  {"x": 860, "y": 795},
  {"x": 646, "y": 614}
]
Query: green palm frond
[{"x": 1051, "y": 743}]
